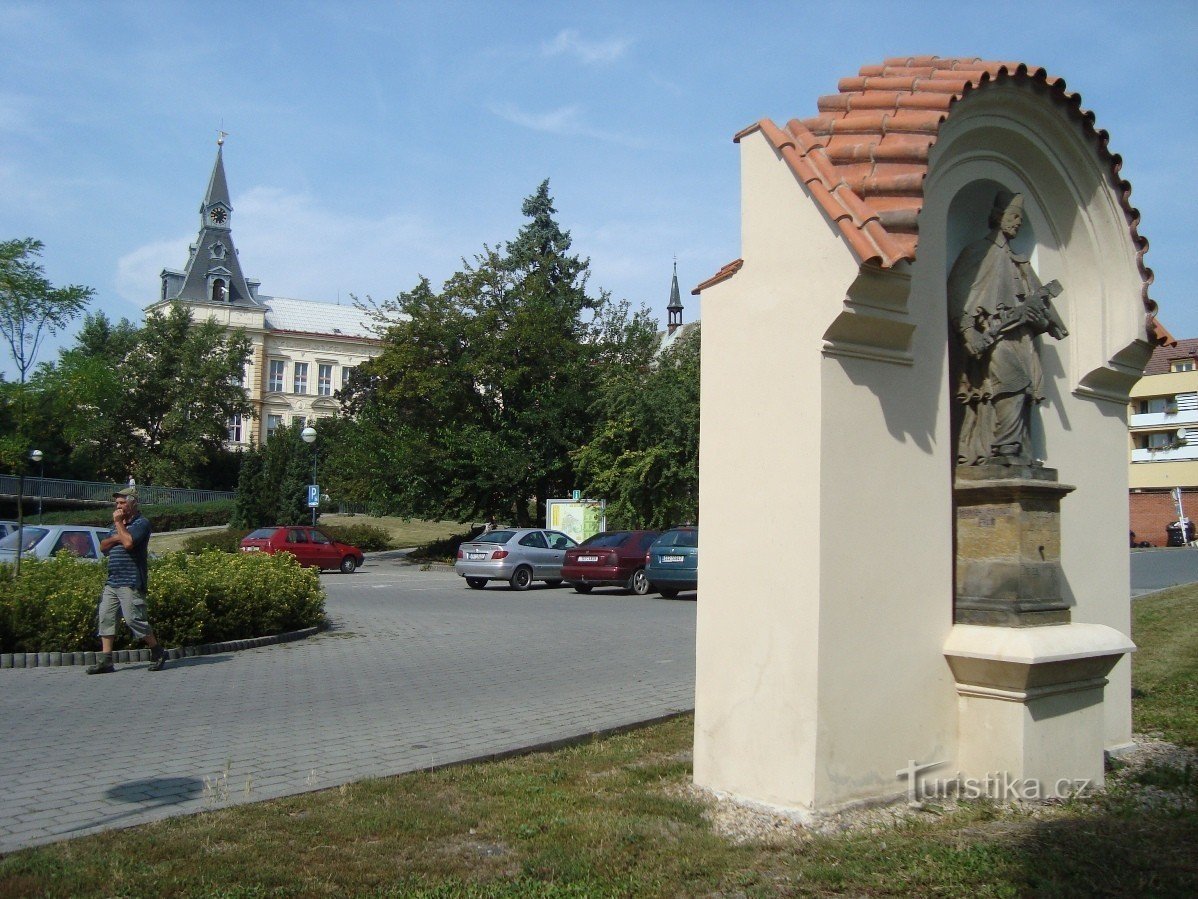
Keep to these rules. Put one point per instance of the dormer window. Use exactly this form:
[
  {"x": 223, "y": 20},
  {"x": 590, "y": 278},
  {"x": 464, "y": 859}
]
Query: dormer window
[
  {"x": 218, "y": 250},
  {"x": 220, "y": 291}
]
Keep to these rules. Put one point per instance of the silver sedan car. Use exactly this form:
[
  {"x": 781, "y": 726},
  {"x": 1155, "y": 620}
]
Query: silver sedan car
[
  {"x": 516, "y": 555},
  {"x": 43, "y": 541}
]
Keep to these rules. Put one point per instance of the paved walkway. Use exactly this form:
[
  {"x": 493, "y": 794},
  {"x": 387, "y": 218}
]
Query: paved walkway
[{"x": 417, "y": 671}]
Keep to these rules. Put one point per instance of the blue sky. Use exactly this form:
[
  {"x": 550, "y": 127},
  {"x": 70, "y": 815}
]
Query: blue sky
[{"x": 372, "y": 142}]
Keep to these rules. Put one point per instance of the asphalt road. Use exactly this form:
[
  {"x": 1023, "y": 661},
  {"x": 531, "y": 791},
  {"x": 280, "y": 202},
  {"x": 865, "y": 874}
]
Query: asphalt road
[
  {"x": 1156, "y": 569},
  {"x": 416, "y": 671}
]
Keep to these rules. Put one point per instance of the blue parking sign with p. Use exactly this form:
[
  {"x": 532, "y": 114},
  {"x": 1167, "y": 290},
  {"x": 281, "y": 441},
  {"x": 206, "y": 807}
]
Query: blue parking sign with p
[{"x": 313, "y": 496}]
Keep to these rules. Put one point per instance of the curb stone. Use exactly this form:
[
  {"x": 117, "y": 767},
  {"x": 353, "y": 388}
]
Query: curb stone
[{"x": 127, "y": 656}]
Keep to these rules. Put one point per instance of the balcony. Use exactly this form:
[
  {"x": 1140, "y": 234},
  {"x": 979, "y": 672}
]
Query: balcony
[{"x": 1183, "y": 453}]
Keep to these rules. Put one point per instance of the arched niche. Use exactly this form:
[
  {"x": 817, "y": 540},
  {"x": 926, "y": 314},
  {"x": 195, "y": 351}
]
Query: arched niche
[{"x": 1016, "y": 136}]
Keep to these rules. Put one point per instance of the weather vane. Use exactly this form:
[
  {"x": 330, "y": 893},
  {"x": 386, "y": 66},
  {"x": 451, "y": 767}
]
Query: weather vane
[{"x": 220, "y": 137}]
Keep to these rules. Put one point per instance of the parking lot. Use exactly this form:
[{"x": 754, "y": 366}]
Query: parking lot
[{"x": 416, "y": 671}]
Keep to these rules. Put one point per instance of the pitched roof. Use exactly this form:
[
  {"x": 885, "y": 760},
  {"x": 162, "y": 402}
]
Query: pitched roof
[
  {"x": 864, "y": 157},
  {"x": 310, "y": 317},
  {"x": 1164, "y": 356}
]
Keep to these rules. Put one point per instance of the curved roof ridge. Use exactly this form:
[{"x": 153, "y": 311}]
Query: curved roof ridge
[{"x": 864, "y": 156}]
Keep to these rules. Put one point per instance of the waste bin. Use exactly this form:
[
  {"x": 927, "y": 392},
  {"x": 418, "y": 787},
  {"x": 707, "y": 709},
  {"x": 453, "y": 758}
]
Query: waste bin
[{"x": 1179, "y": 535}]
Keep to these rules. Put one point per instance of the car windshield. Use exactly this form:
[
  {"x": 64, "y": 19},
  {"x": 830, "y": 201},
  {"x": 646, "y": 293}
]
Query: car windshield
[
  {"x": 261, "y": 534},
  {"x": 679, "y": 538},
  {"x": 494, "y": 537},
  {"x": 607, "y": 538},
  {"x": 27, "y": 537}
]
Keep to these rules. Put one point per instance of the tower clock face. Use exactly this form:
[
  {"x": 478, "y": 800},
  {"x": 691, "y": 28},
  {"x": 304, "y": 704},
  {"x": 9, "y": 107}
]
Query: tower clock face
[{"x": 217, "y": 215}]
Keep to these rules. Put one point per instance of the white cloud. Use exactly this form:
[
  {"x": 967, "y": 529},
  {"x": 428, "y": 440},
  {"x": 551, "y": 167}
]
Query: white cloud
[
  {"x": 565, "y": 120},
  {"x": 137, "y": 272},
  {"x": 568, "y": 41}
]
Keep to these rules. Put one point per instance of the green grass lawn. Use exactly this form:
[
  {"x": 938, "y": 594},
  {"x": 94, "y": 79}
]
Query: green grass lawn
[{"x": 615, "y": 817}]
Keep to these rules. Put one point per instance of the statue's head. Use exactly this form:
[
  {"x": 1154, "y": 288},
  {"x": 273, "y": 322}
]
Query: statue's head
[{"x": 1007, "y": 212}]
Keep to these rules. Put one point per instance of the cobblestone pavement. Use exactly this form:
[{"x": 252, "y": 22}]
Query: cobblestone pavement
[{"x": 416, "y": 671}]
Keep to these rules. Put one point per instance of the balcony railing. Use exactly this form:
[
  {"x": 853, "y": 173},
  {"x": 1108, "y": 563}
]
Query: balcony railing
[
  {"x": 100, "y": 492},
  {"x": 1183, "y": 453}
]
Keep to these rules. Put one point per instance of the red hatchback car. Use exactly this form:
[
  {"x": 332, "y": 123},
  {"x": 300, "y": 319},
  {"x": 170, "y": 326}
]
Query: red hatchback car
[
  {"x": 610, "y": 559},
  {"x": 311, "y": 547}
]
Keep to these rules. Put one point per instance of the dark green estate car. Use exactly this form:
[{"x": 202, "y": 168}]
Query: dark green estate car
[{"x": 672, "y": 562}]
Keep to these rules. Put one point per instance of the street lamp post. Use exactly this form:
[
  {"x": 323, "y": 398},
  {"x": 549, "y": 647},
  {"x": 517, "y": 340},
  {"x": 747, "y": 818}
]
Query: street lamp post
[
  {"x": 37, "y": 456},
  {"x": 309, "y": 436}
]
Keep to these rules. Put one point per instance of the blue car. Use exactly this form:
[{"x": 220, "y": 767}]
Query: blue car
[{"x": 672, "y": 562}]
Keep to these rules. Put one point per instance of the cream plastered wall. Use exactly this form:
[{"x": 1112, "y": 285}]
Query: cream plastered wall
[
  {"x": 1077, "y": 233},
  {"x": 819, "y": 668}
]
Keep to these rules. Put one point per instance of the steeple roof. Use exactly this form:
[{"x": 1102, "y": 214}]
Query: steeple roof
[
  {"x": 213, "y": 256},
  {"x": 218, "y": 187},
  {"x": 675, "y": 299}
]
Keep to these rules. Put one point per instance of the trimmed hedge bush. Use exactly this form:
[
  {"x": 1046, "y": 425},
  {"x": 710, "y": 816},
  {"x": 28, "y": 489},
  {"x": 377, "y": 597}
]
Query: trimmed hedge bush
[
  {"x": 205, "y": 598},
  {"x": 444, "y": 550},
  {"x": 227, "y": 541},
  {"x": 170, "y": 517},
  {"x": 366, "y": 537}
]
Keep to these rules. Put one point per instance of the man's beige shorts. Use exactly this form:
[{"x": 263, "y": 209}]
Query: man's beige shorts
[{"x": 132, "y": 606}]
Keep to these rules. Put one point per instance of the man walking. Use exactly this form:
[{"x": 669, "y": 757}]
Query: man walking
[{"x": 126, "y": 546}]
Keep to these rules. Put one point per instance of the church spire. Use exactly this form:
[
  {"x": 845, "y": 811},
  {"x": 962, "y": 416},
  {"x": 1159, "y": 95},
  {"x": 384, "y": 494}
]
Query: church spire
[
  {"x": 675, "y": 308},
  {"x": 213, "y": 273}
]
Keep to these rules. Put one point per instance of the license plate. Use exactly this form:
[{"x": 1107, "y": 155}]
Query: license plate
[
  {"x": 250, "y": 549},
  {"x": 588, "y": 558},
  {"x": 671, "y": 558},
  {"x": 476, "y": 555}
]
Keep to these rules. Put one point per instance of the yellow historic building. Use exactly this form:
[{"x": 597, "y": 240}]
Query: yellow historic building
[{"x": 302, "y": 351}]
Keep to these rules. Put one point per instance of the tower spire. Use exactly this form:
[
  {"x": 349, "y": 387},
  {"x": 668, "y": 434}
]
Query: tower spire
[
  {"x": 675, "y": 308},
  {"x": 213, "y": 272}
]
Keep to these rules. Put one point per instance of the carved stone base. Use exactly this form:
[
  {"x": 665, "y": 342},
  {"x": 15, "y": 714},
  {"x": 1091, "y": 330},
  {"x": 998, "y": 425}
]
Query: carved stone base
[
  {"x": 1030, "y": 704},
  {"x": 1009, "y": 546}
]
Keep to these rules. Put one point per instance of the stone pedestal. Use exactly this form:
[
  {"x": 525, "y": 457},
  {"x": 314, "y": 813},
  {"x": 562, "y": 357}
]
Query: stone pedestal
[
  {"x": 1029, "y": 704},
  {"x": 1029, "y": 683},
  {"x": 1008, "y": 546}
]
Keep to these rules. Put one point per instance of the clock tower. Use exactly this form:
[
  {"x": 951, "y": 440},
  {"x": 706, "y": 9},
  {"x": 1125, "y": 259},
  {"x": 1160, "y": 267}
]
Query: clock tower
[{"x": 213, "y": 272}]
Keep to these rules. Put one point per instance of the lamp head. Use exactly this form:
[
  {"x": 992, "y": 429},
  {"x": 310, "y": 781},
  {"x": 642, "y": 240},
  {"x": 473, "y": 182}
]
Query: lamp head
[
  {"x": 36, "y": 455},
  {"x": 308, "y": 434}
]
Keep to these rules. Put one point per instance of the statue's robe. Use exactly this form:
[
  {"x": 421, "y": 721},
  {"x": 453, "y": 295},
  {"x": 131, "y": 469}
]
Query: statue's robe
[{"x": 998, "y": 385}]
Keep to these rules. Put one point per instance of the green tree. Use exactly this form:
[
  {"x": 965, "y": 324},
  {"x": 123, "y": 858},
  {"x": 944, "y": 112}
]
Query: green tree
[
  {"x": 482, "y": 389},
  {"x": 31, "y": 309},
  {"x": 251, "y": 505},
  {"x": 644, "y": 456},
  {"x": 155, "y": 400}
]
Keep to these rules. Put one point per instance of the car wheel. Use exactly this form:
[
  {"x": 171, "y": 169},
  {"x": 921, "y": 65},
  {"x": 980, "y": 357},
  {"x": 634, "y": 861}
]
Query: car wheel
[
  {"x": 668, "y": 593},
  {"x": 639, "y": 583},
  {"x": 348, "y": 564},
  {"x": 476, "y": 583},
  {"x": 555, "y": 582},
  {"x": 521, "y": 578},
  {"x": 582, "y": 588}
]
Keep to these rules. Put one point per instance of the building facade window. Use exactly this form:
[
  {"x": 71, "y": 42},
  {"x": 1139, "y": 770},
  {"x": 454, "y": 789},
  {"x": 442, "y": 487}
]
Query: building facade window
[
  {"x": 301, "y": 377},
  {"x": 273, "y": 423},
  {"x": 275, "y": 382},
  {"x": 299, "y": 422},
  {"x": 1182, "y": 365},
  {"x": 345, "y": 370},
  {"x": 235, "y": 428},
  {"x": 1158, "y": 404},
  {"x": 324, "y": 379}
]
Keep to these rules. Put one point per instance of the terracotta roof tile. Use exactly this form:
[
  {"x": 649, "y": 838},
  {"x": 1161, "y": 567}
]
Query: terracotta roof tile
[
  {"x": 864, "y": 157},
  {"x": 722, "y": 275}
]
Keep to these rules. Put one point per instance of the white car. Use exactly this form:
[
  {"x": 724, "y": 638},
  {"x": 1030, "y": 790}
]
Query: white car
[{"x": 44, "y": 540}]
